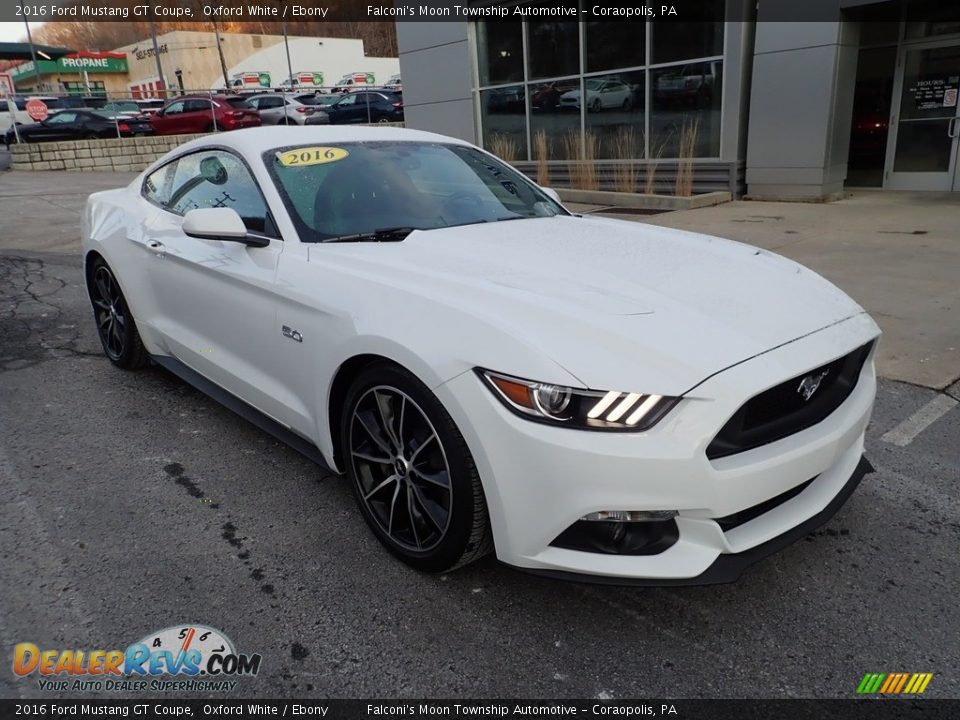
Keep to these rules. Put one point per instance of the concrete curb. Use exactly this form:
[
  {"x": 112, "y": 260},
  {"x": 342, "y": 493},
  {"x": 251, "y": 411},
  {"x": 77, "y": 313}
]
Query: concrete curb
[{"x": 641, "y": 201}]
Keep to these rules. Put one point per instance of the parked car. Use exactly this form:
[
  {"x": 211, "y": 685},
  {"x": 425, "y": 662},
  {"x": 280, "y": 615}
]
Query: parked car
[
  {"x": 547, "y": 96},
  {"x": 602, "y": 94},
  {"x": 79, "y": 125},
  {"x": 506, "y": 100},
  {"x": 123, "y": 107},
  {"x": 149, "y": 105},
  {"x": 692, "y": 84},
  {"x": 279, "y": 109},
  {"x": 366, "y": 107},
  {"x": 20, "y": 116},
  {"x": 586, "y": 397},
  {"x": 197, "y": 114}
]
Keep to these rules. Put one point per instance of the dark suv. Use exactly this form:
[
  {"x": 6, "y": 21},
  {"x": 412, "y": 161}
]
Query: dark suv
[{"x": 366, "y": 106}]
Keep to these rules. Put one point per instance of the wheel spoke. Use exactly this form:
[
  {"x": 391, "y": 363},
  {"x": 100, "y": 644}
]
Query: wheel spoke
[
  {"x": 422, "y": 501},
  {"x": 104, "y": 320},
  {"x": 102, "y": 304},
  {"x": 381, "y": 486},
  {"x": 413, "y": 520},
  {"x": 102, "y": 286},
  {"x": 413, "y": 458},
  {"x": 440, "y": 479},
  {"x": 393, "y": 504},
  {"x": 373, "y": 435},
  {"x": 372, "y": 458},
  {"x": 386, "y": 417}
]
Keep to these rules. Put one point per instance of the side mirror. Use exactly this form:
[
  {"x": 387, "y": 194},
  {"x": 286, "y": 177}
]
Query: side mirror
[
  {"x": 220, "y": 224},
  {"x": 552, "y": 194}
]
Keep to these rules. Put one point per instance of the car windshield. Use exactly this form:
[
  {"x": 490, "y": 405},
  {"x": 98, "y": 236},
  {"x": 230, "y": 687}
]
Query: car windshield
[
  {"x": 122, "y": 106},
  {"x": 238, "y": 102},
  {"x": 356, "y": 188}
]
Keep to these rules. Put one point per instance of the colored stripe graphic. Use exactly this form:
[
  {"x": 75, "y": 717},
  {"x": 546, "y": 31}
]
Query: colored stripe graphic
[{"x": 899, "y": 683}]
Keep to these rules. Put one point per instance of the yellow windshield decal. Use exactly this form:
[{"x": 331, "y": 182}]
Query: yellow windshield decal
[{"x": 311, "y": 156}]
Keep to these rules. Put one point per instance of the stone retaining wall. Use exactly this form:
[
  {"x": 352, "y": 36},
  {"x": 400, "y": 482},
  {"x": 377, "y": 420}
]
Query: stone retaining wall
[{"x": 123, "y": 155}]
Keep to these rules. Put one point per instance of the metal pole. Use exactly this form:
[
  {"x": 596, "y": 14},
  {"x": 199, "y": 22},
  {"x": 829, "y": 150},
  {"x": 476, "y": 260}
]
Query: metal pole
[
  {"x": 33, "y": 52},
  {"x": 223, "y": 63},
  {"x": 286, "y": 44},
  {"x": 156, "y": 56}
]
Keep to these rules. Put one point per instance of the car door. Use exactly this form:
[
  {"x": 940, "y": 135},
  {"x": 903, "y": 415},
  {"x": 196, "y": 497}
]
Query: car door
[
  {"x": 166, "y": 120},
  {"x": 59, "y": 126},
  {"x": 214, "y": 306},
  {"x": 344, "y": 110},
  {"x": 197, "y": 116},
  {"x": 271, "y": 109}
]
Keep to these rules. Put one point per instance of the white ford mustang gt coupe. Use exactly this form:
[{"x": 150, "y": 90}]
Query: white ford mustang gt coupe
[{"x": 589, "y": 398}]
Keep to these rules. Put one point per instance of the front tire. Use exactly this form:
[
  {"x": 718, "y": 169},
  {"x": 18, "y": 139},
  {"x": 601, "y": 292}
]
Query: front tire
[
  {"x": 115, "y": 324},
  {"x": 412, "y": 474}
]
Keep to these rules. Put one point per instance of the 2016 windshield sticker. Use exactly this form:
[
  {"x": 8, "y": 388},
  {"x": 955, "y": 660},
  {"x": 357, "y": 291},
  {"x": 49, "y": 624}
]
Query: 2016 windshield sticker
[{"x": 302, "y": 157}]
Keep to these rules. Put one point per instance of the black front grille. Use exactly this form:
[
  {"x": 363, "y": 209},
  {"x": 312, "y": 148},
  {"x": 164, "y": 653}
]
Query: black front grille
[{"x": 782, "y": 410}]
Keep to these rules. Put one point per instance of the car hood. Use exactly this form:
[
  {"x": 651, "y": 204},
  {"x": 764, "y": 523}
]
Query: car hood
[{"x": 618, "y": 304}]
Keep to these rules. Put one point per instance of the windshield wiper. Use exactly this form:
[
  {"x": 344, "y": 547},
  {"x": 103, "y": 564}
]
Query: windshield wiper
[{"x": 394, "y": 234}]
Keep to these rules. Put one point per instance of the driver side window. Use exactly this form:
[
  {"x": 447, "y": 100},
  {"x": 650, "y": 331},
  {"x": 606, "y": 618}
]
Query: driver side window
[
  {"x": 210, "y": 179},
  {"x": 174, "y": 108}
]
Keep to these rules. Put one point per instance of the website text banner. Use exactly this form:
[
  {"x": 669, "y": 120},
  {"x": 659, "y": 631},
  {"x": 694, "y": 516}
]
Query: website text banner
[
  {"x": 927, "y": 709},
  {"x": 207, "y": 11}
]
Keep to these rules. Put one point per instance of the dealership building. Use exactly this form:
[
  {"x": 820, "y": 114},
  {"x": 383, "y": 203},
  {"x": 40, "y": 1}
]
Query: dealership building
[{"x": 864, "y": 94}]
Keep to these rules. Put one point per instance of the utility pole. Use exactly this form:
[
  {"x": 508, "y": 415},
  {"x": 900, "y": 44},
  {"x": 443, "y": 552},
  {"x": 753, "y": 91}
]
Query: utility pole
[
  {"x": 33, "y": 52},
  {"x": 223, "y": 63},
  {"x": 156, "y": 56},
  {"x": 286, "y": 43}
]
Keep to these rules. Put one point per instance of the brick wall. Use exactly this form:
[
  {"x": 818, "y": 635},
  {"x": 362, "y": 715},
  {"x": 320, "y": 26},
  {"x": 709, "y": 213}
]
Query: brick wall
[{"x": 127, "y": 154}]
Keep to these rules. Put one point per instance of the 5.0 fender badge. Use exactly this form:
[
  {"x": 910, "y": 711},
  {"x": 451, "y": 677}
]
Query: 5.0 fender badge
[{"x": 291, "y": 333}]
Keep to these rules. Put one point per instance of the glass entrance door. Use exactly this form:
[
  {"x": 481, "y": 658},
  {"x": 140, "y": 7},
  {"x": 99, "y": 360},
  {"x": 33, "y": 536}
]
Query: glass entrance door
[{"x": 922, "y": 152}]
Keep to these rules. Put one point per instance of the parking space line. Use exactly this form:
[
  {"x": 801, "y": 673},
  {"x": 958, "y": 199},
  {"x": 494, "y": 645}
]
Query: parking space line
[{"x": 904, "y": 433}]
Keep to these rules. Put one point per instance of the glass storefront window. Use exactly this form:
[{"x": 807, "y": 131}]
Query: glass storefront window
[
  {"x": 542, "y": 84},
  {"x": 698, "y": 34},
  {"x": 501, "y": 52},
  {"x": 686, "y": 101},
  {"x": 503, "y": 115},
  {"x": 615, "y": 114},
  {"x": 555, "y": 119},
  {"x": 553, "y": 48},
  {"x": 612, "y": 45}
]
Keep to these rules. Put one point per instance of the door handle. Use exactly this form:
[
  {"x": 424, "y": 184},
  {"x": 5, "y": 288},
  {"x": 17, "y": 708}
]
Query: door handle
[
  {"x": 952, "y": 128},
  {"x": 158, "y": 248}
]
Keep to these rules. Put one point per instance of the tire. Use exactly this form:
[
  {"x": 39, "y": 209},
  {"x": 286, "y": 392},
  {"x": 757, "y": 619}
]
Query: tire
[
  {"x": 211, "y": 128},
  {"x": 116, "y": 327},
  {"x": 383, "y": 120},
  {"x": 432, "y": 476},
  {"x": 91, "y": 136}
]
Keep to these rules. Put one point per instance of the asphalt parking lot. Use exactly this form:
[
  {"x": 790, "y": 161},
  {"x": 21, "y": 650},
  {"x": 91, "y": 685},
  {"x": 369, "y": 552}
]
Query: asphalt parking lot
[{"x": 129, "y": 502}]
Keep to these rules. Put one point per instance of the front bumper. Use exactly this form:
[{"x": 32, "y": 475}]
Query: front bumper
[
  {"x": 540, "y": 479},
  {"x": 728, "y": 568}
]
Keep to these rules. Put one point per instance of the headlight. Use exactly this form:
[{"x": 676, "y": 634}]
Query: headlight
[{"x": 574, "y": 408}]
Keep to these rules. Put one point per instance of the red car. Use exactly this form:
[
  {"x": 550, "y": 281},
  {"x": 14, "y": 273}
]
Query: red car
[{"x": 198, "y": 114}]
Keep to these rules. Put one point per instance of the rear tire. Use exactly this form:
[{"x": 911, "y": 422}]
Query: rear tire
[
  {"x": 116, "y": 327},
  {"x": 412, "y": 474}
]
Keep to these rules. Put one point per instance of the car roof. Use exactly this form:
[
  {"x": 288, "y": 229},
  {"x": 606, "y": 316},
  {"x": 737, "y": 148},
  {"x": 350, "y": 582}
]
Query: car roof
[{"x": 254, "y": 141}]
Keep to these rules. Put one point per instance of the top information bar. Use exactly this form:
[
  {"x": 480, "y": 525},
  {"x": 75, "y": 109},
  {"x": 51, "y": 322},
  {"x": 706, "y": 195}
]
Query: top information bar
[{"x": 204, "y": 11}]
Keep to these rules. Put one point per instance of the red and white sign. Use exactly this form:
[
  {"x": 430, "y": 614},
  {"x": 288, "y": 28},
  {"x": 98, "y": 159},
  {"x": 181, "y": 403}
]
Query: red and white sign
[{"x": 37, "y": 110}]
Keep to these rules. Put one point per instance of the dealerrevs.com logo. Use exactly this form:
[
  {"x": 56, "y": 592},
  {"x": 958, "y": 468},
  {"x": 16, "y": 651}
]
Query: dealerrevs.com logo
[{"x": 179, "y": 658}]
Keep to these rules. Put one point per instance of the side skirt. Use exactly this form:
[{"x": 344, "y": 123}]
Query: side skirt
[{"x": 244, "y": 410}]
